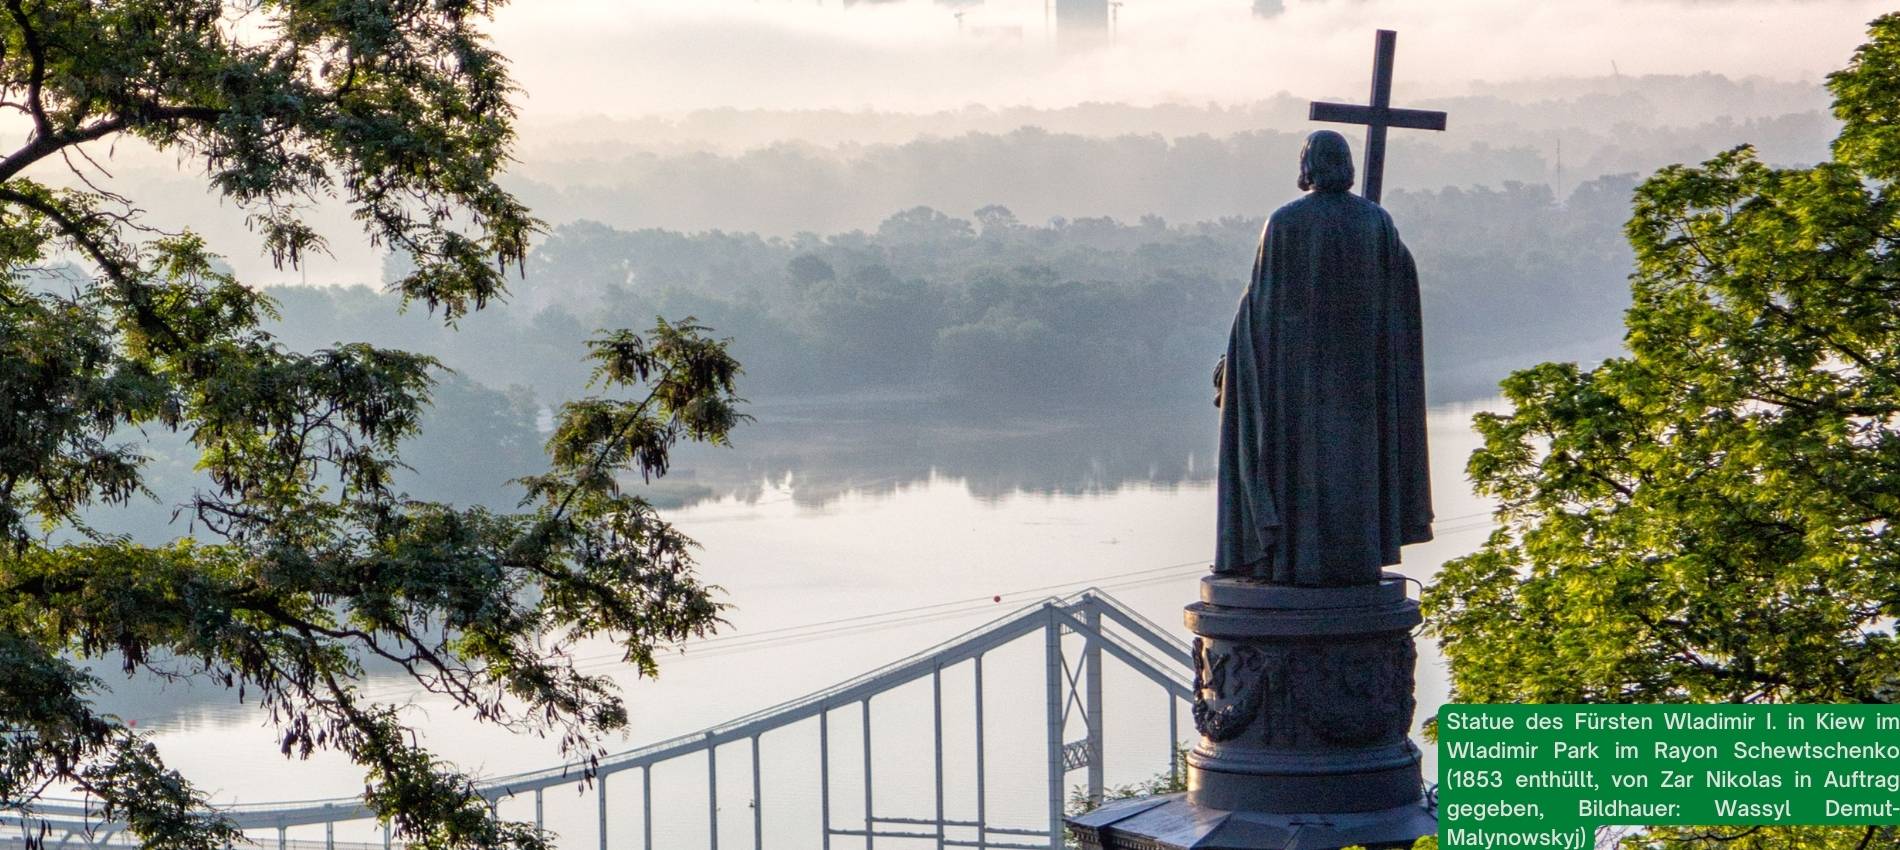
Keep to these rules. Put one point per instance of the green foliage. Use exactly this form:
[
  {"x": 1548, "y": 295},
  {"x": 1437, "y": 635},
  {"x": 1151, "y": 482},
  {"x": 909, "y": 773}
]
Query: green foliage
[
  {"x": 1425, "y": 842},
  {"x": 1170, "y": 781},
  {"x": 403, "y": 107},
  {"x": 305, "y": 559},
  {"x": 1710, "y": 518}
]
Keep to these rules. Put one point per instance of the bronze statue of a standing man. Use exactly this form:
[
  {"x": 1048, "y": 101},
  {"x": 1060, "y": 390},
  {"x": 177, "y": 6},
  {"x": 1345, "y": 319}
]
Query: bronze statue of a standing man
[
  {"x": 1303, "y": 652},
  {"x": 1322, "y": 426}
]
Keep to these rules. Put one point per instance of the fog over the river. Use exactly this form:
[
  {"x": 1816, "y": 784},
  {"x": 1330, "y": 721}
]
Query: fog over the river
[{"x": 780, "y": 116}]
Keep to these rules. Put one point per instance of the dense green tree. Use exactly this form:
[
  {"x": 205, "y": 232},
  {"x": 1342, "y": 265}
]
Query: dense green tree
[
  {"x": 1711, "y": 518},
  {"x": 305, "y": 560}
]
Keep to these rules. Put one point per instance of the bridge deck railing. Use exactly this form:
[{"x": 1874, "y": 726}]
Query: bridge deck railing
[{"x": 1071, "y": 693}]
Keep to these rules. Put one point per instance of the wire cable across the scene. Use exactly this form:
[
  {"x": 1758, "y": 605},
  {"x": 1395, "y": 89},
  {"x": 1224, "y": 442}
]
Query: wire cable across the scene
[{"x": 802, "y": 633}]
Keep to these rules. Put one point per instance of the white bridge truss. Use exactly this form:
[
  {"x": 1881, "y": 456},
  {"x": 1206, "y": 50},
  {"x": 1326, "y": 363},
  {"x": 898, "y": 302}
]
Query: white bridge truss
[{"x": 1072, "y": 690}]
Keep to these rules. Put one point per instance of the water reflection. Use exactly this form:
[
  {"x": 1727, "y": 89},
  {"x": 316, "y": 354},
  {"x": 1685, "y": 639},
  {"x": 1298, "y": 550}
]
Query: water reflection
[{"x": 823, "y": 451}]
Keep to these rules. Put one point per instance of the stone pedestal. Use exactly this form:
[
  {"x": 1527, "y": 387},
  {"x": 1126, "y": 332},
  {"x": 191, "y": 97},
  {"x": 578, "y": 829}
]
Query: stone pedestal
[{"x": 1303, "y": 698}]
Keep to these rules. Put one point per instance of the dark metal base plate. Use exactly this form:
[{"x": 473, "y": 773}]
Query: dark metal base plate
[{"x": 1172, "y": 823}]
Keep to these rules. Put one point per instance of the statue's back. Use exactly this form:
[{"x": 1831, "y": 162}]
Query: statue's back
[{"x": 1322, "y": 449}]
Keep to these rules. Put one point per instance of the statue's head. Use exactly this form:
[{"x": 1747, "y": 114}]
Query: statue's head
[{"x": 1326, "y": 162}]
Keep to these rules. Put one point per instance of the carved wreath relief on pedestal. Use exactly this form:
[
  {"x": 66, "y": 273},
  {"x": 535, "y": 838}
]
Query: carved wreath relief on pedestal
[
  {"x": 1306, "y": 694},
  {"x": 1360, "y": 694},
  {"x": 1229, "y": 686}
]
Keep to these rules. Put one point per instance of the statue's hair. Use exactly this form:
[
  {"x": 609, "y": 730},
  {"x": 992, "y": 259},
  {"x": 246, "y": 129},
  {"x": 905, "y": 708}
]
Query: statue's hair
[{"x": 1326, "y": 162}]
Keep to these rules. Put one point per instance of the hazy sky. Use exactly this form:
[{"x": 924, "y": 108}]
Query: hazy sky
[
  {"x": 628, "y": 58},
  {"x": 623, "y": 57}
]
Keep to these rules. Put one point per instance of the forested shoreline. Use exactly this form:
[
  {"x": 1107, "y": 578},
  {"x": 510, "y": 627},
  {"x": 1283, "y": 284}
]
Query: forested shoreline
[
  {"x": 999, "y": 313},
  {"x": 1019, "y": 266}
]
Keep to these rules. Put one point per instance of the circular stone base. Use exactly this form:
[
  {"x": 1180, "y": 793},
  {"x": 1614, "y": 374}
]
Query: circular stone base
[
  {"x": 1304, "y": 782},
  {"x": 1234, "y": 592},
  {"x": 1303, "y": 697}
]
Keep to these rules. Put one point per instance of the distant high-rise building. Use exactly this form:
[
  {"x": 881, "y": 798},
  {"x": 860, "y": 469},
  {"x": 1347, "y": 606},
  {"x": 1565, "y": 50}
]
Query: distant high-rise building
[
  {"x": 1082, "y": 14},
  {"x": 1081, "y": 23},
  {"x": 957, "y": 4}
]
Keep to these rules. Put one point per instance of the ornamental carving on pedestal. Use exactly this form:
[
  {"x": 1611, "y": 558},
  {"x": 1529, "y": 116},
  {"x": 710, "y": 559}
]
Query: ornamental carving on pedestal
[
  {"x": 1230, "y": 683},
  {"x": 1355, "y": 694}
]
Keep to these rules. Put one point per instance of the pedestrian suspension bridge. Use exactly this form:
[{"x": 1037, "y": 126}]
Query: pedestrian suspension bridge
[{"x": 1080, "y": 636}]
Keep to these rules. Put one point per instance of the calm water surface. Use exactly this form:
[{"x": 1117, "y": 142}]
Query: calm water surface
[{"x": 814, "y": 517}]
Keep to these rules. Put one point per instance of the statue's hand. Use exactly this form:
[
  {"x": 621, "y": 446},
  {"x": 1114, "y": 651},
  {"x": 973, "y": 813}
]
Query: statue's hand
[{"x": 1220, "y": 379}]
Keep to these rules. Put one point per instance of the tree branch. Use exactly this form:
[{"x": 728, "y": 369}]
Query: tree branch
[
  {"x": 36, "y": 77},
  {"x": 112, "y": 266},
  {"x": 46, "y": 143}
]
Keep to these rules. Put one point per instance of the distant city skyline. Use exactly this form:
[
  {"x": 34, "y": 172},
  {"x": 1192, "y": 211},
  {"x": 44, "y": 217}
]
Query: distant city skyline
[{"x": 634, "y": 57}]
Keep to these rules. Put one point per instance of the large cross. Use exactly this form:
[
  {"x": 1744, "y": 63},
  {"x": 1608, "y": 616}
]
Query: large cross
[{"x": 1379, "y": 115}]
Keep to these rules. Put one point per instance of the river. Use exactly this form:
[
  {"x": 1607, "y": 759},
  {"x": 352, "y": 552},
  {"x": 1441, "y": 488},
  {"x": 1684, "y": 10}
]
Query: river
[{"x": 935, "y": 521}]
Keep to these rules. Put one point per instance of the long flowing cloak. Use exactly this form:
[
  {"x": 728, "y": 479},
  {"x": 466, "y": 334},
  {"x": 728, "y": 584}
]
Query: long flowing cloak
[{"x": 1323, "y": 470}]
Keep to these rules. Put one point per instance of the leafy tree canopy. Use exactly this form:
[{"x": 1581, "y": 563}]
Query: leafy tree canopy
[
  {"x": 303, "y": 560},
  {"x": 1710, "y": 518}
]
